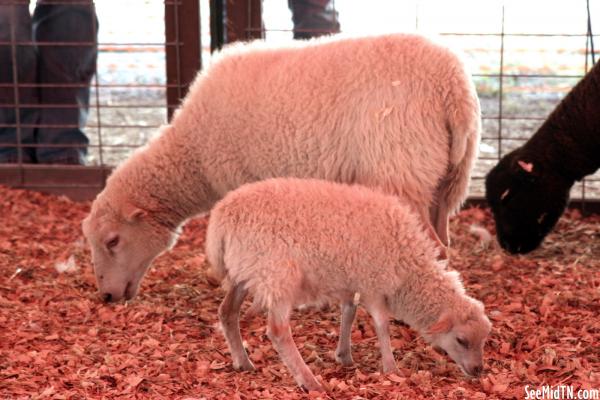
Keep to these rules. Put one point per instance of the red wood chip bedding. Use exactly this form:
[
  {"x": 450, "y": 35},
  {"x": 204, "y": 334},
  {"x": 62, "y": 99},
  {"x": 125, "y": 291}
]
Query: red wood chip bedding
[{"x": 58, "y": 341}]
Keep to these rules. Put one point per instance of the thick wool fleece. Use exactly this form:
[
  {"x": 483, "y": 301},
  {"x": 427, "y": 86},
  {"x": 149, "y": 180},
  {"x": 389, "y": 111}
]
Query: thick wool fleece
[
  {"x": 396, "y": 112},
  {"x": 292, "y": 241}
]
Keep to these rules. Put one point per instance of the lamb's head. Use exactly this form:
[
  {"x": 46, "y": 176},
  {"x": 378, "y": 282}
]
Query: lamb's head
[
  {"x": 462, "y": 334},
  {"x": 123, "y": 242},
  {"x": 527, "y": 200}
]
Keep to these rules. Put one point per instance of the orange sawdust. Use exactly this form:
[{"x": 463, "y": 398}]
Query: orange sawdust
[{"x": 58, "y": 341}]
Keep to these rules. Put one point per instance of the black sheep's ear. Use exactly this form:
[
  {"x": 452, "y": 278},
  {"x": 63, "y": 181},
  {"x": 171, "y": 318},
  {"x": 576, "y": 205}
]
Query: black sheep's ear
[
  {"x": 526, "y": 170},
  {"x": 525, "y": 166}
]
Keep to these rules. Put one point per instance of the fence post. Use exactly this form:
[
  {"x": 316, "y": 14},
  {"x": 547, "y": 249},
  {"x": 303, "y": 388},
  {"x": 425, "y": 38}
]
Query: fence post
[
  {"x": 183, "y": 48},
  {"x": 232, "y": 20}
]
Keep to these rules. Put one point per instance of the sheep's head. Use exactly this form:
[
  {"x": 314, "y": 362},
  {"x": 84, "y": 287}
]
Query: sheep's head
[
  {"x": 462, "y": 336},
  {"x": 526, "y": 200},
  {"x": 123, "y": 244}
]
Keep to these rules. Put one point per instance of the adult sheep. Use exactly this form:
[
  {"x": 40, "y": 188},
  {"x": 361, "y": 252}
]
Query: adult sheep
[
  {"x": 394, "y": 112},
  {"x": 529, "y": 188}
]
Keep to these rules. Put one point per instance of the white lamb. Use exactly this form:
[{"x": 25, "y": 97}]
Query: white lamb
[
  {"x": 394, "y": 112},
  {"x": 290, "y": 242}
]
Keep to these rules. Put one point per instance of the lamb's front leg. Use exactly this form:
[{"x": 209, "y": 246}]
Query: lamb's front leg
[
  {"x": 229, "y": 315},
  {"x": 279, "y": 332},
  {"x": 379, "y": 313},
  {"x": 343, "y": 353}
]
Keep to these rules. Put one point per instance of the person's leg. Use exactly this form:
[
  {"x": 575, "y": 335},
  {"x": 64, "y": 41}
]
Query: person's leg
[
  {"x": 15, "y": 29},
  {"x": 313, "y": 18},
  {"x": 70, "y": 65}
]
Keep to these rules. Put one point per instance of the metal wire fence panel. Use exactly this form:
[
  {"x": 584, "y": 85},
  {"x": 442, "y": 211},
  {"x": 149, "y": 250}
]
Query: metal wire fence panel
[
  {"x": 139, "y": 57},
  {"x": 525, "y": 56}
]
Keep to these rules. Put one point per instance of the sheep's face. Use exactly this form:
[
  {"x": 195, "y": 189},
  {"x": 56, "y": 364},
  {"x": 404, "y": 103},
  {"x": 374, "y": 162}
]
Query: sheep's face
[
  {"x": 123, "y": 244},
  {"x": 462, "y": 338},
  {"x": 526, "y": 202}
]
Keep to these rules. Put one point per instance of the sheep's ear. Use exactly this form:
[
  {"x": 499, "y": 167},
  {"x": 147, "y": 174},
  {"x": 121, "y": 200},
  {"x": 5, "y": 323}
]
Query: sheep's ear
[
  {"x": 527, "y": 171},
  {"x": 527, "y": 167},
  {"x": 136, "y": 215},
  {"x": 443, "y": 325},
  {"x": 133, "y": 213}
]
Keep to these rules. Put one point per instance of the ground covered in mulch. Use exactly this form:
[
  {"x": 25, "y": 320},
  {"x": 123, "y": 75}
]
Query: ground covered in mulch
[{"x": 57, "y": 340}]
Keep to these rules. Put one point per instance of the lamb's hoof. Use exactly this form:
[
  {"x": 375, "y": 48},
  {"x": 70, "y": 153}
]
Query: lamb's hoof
[
  {"x": 245, "y": 366},
  {"x": 212, "y": 277},
  {"x": 345, "y": 359}
]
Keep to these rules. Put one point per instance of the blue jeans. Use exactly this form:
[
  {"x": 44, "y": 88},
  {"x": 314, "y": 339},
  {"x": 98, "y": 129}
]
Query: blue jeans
[
  {"x": 313, "y": 18},
  {"x": 50, "y": 75}
]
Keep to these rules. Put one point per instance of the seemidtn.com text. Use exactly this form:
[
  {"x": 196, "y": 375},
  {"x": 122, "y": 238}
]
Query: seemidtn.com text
[{"x": 561, "y": 392}]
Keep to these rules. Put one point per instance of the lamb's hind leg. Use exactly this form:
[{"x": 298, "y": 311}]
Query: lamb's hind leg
[
  {"x": 281, "y": 335},
  {"x": 343, "y": 353},
  {"x": 229, "y": 314}
]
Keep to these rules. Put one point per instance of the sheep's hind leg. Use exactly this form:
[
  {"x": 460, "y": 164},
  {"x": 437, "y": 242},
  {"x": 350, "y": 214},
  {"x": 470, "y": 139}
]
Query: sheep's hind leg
[
  {"x": 380, "y": 316},
  {"x": 229, "y": 315},
  {"x": 279, "y": 332},
  {"x": 343, "y": 353}
]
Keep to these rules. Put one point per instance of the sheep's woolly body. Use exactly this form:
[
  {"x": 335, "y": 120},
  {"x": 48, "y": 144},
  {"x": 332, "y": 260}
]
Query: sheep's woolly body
[
  {"x": 528, "y": 190},
  {"x": 291, "y": 241},
  {"x": 568, "y": 143},
  {"x": 394, "y": 112}
]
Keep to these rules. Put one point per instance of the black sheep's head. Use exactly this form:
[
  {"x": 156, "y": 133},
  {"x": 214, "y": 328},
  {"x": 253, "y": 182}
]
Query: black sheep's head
[{"x": 526, "y": 201}]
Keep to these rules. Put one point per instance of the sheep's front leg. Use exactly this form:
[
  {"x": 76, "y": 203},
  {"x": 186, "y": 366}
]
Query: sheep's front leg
[
  {"x": 229, "y": 315},
  {"x": 279, "y": 332},
  {"x": 380, "y": 316},
  {"x": 439, "y": 220},
  {"x": 441, "y": 240},
  {"x": 343, "y": 353}
]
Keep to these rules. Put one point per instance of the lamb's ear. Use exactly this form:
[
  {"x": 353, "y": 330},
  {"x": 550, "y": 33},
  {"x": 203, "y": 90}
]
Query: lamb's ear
[{"x": 443, "y": 325}]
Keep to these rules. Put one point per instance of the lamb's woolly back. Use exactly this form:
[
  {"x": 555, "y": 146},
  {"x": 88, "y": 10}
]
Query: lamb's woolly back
[{"x": 297, "y": 239}]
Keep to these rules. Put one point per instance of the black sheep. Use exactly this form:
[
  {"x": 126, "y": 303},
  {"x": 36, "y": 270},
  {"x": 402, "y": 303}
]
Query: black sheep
[{"x": 528, "y": 189}]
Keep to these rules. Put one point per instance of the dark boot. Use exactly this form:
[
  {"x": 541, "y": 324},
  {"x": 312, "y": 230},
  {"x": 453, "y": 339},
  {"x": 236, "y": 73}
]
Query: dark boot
[
  {"x": 313, "y": 18},
  {"x": 64, "y": 74},
  {"x": 17, "y": 129}
]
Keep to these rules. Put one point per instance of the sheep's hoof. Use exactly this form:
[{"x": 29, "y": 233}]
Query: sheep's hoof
[{"x": 345, "y": 359}]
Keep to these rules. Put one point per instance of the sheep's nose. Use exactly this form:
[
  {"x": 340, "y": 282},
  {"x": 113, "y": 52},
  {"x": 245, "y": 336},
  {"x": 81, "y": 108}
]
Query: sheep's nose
[
  {"x": 477, "y": 370},
  {"x": 107, "y": 297}
]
